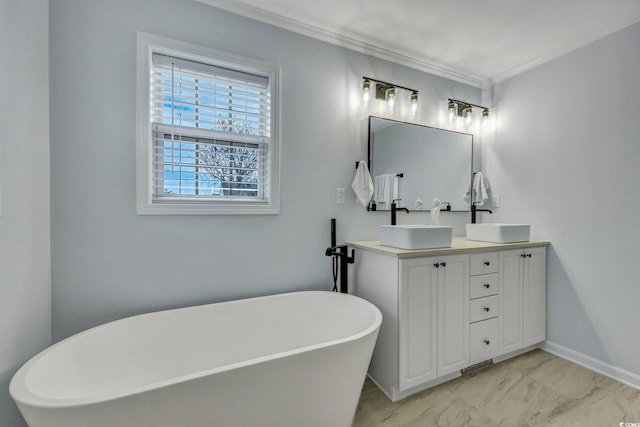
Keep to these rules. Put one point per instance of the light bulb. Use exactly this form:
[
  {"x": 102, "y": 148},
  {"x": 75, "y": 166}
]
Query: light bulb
[
  {"x": 391, "y": 99},
  {"x": 468, "y": 115},
  {"x": 366, "y": 92},
  {"x": 452, "y": 112},
  {"x": 414, "y": 103},
  {"x": 485, "y": 117}
]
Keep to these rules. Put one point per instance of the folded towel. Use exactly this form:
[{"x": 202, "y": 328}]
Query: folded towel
[
  {"x": 386, "y": 190},
  {"x": 381, "y": 189},
  {"x": 479, "y": 190},
  {"x": 362, "y": 184}
]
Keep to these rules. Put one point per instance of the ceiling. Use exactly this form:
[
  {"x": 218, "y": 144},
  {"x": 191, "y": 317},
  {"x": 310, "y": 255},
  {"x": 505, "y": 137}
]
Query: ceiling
[{"x": 472, "y": 41}]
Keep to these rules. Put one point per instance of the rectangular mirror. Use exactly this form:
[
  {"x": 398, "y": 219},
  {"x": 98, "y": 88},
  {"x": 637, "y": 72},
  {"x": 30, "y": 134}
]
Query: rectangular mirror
[{"x": 432, "y": 162}]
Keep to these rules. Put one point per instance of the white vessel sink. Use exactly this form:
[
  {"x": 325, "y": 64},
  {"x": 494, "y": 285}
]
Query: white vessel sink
[
  {"x": 416, "y": 236},
  {"x": 498, "y": 233}
]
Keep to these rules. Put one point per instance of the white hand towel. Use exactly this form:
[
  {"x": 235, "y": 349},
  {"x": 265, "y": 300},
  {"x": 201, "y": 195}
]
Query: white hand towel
[
  {"x": 386, "y": 190},
  {"x": 362, "y": 184},
  {"x": 479, "y": 190},
  {"x": 482, "y": 188},
  {"x": 381, "y": 189}
]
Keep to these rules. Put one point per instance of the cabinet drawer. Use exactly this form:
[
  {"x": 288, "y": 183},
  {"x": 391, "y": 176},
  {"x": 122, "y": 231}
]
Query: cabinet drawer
[
  {"x": 483, "y": 285},
  {"x": 483, "y": 308},
  {"x": 483, "y": 341},
  {"x": 483, "y": 263}
]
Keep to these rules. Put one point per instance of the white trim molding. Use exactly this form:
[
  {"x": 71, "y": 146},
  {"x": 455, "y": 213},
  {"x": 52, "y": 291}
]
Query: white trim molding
[
  {"x": 428, "y": 65},
  {"x": 626, "y": 377},
  {"x": 431, "y": 67}
]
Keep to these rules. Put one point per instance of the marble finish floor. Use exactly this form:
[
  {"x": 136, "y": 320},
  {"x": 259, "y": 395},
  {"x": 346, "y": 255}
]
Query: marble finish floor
[{"x": 534, "y": 389}]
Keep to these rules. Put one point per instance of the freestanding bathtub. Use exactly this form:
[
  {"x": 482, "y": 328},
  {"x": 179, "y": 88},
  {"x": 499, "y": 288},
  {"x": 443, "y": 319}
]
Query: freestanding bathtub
[{"x": 296, "y": 359}]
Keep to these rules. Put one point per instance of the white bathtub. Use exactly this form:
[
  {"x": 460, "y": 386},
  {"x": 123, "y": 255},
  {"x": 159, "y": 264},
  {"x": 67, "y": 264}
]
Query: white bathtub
[{"x": 296, "y": 359}]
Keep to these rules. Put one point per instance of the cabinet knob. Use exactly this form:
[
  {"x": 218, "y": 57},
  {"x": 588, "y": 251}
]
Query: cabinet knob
[
  {"x": 523, "y": 255},
  {"x": 529, "y": 255},
  {"x": 487, "y": 309},
  {"x": 487, "y": 342},
  {"x": 436, "y": 265},
  {"x": 443, "y": 264},
  {"x": 487, "y": 263},
  {"x": 486, "y": 285}
]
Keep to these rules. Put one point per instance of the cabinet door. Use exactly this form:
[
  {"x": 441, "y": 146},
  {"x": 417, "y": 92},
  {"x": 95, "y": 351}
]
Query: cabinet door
[
  {"x": 510, "y": 301},
  {"x": 417, "y": 322},
  {"x": 453, "y": 313},
  {"x": 535, "y": 288}
]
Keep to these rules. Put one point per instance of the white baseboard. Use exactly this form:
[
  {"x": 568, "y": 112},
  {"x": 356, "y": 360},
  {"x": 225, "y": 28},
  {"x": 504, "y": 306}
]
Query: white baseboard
[{"x": 626, "y": 377}]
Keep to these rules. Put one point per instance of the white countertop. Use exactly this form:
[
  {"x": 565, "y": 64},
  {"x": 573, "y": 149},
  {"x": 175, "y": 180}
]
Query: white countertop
[{"x": 459, "y": 244}]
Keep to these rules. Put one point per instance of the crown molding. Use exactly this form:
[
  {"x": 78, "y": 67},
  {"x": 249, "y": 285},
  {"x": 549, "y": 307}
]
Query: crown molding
[
  {"x": 347, "y": 42},
  {"x": 405, "y": 58}
]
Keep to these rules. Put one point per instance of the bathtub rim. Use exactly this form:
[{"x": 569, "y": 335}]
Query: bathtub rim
[{"x": 23, "y": 396}]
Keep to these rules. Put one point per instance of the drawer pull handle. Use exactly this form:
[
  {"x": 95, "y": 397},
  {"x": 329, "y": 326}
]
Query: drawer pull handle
[
  {"x": 486, "y": 309},
  {"x": 436, "y": 265},
  {"x": 443, "y": 264},
  {"x": 487, "y": 263},
  {"x": 487, "y": 342},
  {"x": 529, "y": 255},
  {"x": 486, "y": 285}
]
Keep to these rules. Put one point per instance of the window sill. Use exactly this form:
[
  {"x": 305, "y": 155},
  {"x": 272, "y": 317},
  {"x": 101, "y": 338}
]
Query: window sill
[{"x": 220, "y": 208}]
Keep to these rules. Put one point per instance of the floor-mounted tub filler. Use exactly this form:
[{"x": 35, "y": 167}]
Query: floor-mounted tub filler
[{"x": 296, "y": 359}]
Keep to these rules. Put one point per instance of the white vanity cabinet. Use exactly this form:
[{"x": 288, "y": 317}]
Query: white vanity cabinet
[
  {"x": 432, "y": 314},
  {"x": 445, "y": 310},
  {"x": 522, "y": 298}
]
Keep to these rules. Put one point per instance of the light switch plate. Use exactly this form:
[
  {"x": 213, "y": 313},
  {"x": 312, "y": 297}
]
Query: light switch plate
[{"x": 340, "y": 196}]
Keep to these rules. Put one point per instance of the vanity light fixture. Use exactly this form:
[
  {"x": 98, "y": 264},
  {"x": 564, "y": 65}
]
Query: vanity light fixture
[
  {"x": 463, "y": 112},
  {"x": 387, "y": 92}
]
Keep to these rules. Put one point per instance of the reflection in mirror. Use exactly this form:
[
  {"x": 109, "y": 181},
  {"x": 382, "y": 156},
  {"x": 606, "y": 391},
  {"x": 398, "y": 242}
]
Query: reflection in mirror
[{"x": 433, "y": 163}]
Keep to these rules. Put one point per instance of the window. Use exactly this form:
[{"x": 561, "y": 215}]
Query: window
[{"x": 207, "y": 136}]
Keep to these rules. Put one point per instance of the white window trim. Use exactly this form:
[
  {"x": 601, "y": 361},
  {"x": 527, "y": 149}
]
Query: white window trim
[{"x": 148, "y": 44}]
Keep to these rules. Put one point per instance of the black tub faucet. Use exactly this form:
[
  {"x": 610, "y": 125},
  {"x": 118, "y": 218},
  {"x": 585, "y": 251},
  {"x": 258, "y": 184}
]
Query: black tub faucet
[{"x": 394, "y": 208}]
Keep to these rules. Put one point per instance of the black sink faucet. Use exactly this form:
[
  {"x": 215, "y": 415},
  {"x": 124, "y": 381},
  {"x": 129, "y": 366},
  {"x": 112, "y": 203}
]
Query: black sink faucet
[
  {"x": 394, "y": 208},
  {"x": 474, "y": 209}
]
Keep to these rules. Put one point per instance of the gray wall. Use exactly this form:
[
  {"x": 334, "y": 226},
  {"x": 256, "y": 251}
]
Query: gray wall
[
  {"x": 25, "y": 277},
  {"x": 109, "y": 262},
  {"x": 566, "y": 159}
]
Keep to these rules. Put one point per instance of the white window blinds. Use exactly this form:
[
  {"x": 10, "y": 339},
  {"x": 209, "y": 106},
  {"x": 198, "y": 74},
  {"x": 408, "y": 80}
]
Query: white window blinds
[{"x": 210, "y": 132}]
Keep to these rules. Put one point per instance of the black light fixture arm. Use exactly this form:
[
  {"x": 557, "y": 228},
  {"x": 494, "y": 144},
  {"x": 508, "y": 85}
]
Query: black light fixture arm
[
  {"x": 465, "y": 103},
  {"x": 390, "y": 84}
]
